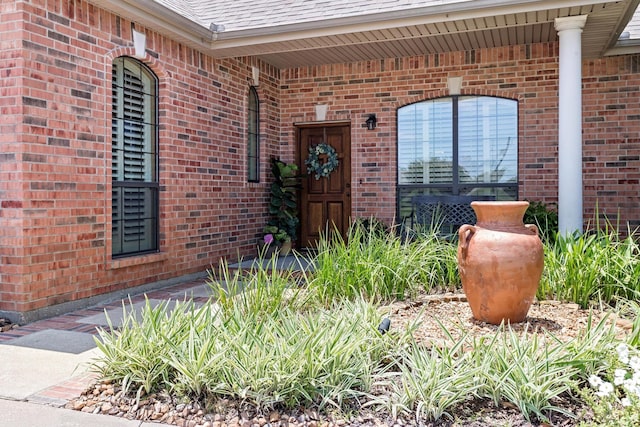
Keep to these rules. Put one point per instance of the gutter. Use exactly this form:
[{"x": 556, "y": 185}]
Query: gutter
[
  {"x": 624, "y": 47},
  {"x": 153, "y": 15},
  {"x": 385, "y": 20},
  {"x": 614, "y": 40}
]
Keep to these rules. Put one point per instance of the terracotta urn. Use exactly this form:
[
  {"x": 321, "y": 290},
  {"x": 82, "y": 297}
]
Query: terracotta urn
[{"x": 500, "y": 261}]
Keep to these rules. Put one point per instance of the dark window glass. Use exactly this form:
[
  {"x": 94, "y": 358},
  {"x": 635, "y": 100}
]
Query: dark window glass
[
  {"x": 253, "y": 136},
  {"x": 134, "y": 159},
  {"x": 460, "y": 145}
]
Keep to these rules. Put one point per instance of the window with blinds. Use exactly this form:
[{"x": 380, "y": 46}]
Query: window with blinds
[
  {"x": 459, "y": 145},
  {"x": 134, "y": 159},
  {"x": 253, "y": 136}
]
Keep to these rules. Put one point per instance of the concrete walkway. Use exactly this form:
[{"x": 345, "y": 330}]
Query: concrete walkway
[{"x": 46, "y": 363}]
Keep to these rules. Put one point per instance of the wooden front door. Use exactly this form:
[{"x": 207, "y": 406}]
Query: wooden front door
[{"x": 325, "y": 203}]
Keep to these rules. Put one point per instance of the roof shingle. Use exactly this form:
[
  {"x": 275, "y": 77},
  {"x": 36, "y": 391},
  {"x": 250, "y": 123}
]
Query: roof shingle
[{"x": 247, "y": 14}]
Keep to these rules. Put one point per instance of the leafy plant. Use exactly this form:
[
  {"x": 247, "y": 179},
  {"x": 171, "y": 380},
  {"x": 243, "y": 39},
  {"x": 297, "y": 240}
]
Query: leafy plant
[
  {"x": 260, "y": 290},
  {"x": 277, "y": 338},
  {"x": 528, "y": 371},
  {"x": 591, "y": 268},
  {"x": 430, "y": 382},
  {"x": 288, "y": 357},
  {"x": 134, "y": 353},
  {"x": 544, "y": 217},
  {"x": 283, "y": 206},
  {"x": 381, "y": 266},
  {"x": 371, "y": 225}
]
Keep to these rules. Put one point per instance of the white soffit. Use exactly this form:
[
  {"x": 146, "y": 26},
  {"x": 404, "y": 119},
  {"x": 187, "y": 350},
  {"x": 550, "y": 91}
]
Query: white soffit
[{"x": 459, "y": 26}]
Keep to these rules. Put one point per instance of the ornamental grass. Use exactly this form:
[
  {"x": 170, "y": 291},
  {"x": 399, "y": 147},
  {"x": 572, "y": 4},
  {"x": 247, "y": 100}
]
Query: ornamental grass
[{"x": 311, "y": 339}]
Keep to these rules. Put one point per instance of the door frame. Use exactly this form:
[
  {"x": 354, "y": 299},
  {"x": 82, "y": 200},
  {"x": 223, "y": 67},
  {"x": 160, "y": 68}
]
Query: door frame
[{"x": 300, "y": 159}]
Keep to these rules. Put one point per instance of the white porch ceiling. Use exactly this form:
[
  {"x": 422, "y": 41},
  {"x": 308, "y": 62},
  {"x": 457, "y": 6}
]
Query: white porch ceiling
[{"x": 385, "y": 35}]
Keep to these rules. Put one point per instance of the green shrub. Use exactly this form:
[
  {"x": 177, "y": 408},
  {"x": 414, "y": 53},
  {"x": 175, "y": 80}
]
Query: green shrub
[
  {"x": 320, "y": 357},
  {"x": 591, "y": 268},
  {"x": 544, "y": 217},
  {"x": 135, "y": 354},
  {"x": 262, "y": 289},
  {"x": 381, "y": 266},
  {"x": 277, "y": 338},
  {"x": 532, "y": 371}
]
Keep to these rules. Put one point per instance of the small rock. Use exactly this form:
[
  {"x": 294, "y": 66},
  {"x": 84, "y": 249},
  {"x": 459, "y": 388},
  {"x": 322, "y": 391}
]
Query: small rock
[
  {"x": 624, "y": 324},
  {"x": 274, "y": 417}
]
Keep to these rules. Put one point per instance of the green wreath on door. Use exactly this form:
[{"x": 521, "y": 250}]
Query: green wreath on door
[{"x": 316, "y": 166}]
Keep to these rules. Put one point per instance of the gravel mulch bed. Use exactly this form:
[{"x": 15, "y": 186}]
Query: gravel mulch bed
[{"x": 564, "y": 320}]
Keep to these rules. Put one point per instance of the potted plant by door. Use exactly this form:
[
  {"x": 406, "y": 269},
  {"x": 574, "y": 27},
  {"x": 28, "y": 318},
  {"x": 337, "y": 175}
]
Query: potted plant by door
[
  {"x": 283, "y": 206},
  {"x": 279, "y": 237}
]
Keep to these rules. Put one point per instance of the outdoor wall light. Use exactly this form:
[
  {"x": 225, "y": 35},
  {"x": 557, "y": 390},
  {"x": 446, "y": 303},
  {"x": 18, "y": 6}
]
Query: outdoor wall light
[
  {"x": 371, "y": 122},
  {"x": 139, "y": 43}
]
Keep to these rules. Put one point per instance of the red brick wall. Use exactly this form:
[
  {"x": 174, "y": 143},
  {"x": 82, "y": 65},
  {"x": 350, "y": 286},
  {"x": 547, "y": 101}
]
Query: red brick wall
[
  {"x": 528, "y": 74},
  {"x": 55, "y": 214},
  {"x": 11, "y": 188},
  {"x": 611, "y": 142}
]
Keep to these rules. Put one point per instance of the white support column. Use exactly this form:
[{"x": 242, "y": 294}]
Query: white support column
[{"x": 570, "y": 214}]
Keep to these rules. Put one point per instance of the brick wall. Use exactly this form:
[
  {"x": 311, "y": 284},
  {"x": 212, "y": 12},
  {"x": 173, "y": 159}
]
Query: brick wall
[
  {"x": 528, "y": 74},
  {"x": 611, "y": 142},
  {"x": 56, "y": 210},
  {"x": 11, "y": 189}
]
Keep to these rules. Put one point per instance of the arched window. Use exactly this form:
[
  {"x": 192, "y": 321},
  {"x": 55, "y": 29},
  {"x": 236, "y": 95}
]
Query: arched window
[
  {"x": 134, "y": 132},
  {"x": 253, "y": 136},
  {"x": 458, "y": 145}
]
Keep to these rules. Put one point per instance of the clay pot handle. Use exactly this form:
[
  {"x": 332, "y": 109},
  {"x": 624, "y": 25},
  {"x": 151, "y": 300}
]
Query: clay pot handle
[
  {"x": 533, "y": 228},
  {"x": 465, "y": 233}
]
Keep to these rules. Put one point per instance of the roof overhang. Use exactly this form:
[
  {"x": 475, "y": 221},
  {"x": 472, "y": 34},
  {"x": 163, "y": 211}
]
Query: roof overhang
[
  {"x": 457, "y": 26},
  {"x": 624, "y": 47}
]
